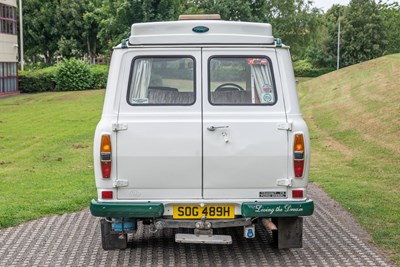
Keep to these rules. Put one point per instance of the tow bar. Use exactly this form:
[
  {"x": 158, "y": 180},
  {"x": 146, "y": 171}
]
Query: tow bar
[{"x": 203, "y": 234}]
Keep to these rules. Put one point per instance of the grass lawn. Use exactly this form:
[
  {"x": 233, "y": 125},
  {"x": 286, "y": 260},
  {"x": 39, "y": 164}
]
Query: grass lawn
[
  {"x": 46, "y": 154},
  {"x": 353, "y": 114},
  {"x": 354, "y": 118}
]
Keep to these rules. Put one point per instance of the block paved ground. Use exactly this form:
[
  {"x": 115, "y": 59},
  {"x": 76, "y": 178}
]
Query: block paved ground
[{"x": 331, "y": 238}]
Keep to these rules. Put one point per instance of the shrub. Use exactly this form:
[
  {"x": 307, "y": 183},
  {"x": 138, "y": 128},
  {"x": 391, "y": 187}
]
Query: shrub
[
  {"x": 37, "y": 66},
  {"x": 99, "y": 76},
  {"x": 37, "y": 80},
  {"x": 303, "y": 68},
  {"x": 72, "y": 75},
  {"x": 62, "y": 77}
]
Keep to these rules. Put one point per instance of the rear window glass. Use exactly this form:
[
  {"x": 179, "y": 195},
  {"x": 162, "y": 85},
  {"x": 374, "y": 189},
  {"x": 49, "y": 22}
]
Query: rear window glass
[
  {"x": 162, "y": 81},
  {"x": 241, "y": 81}
]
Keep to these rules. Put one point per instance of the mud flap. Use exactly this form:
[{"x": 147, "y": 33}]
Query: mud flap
[
  {"x": 289, "y": 233},
  {"x": 109, "y": 240}
]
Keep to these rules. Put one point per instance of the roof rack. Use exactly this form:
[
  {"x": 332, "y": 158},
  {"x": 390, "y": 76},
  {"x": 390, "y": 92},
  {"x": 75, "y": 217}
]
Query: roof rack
[{"x": 200, "y": 17}]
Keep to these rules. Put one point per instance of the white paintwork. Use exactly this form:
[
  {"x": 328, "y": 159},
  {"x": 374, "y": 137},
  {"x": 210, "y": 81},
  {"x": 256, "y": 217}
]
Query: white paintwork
[
  {"x": 160, "y": 152},
  {"x": 220, "y": 32},
  {"x": 256, "y": 154},
  {"x": 167, "y": 154},
  {"x": 293, "y": 114}
]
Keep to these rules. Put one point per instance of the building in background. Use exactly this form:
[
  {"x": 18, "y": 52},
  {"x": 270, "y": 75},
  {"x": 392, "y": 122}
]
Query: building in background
[{"x": 8, "y": 48}]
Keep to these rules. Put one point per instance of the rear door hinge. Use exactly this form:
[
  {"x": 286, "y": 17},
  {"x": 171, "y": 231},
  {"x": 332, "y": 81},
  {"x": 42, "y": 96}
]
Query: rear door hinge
[
  {"x": 116, "y": 127},
  {"x": 284, "y": 182},
  {"x": 287, "y": 126},
  {"x": 120, "y": 183}
]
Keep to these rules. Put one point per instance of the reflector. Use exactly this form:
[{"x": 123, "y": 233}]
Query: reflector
[
  {"x": 297, "y": 193},
  {"x": 107, "y": 194}
]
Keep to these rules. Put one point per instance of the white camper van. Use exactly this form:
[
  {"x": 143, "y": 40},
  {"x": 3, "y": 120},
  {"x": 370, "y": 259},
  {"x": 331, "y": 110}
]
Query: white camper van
[{"x": 201, "y": 129}]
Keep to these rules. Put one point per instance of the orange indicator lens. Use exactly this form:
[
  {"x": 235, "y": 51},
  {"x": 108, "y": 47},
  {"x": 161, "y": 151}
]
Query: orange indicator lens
[
  {"x": 105, "y": 144},
  {"x": 298, "y": 143}
]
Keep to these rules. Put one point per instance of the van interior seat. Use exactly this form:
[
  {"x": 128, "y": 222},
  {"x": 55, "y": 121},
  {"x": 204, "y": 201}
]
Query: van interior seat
[
  {"x": 164, "y": 88},
  {"x": 231, "y": 97},
  {"x": 169, "y": 95}
]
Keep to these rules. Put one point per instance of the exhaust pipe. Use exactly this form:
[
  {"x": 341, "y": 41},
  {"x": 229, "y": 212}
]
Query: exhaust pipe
[{"x": 268, "y": 224}]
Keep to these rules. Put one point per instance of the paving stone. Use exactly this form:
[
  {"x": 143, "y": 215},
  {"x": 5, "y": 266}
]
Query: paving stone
[{"x": 74, "y": 240}]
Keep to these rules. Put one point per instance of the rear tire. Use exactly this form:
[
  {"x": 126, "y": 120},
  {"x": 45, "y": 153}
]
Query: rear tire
[{"x": 110, "y": 240}]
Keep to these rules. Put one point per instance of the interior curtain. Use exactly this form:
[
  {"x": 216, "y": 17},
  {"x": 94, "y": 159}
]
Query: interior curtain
[
  {"x": 263, "y": 82},
  {"x": 141, "y": 79}
]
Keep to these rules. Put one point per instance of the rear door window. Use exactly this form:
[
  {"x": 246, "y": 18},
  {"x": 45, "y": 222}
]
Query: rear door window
[
  {"x": 162, "y": 81},
  {"x": 241, "y": 81}
]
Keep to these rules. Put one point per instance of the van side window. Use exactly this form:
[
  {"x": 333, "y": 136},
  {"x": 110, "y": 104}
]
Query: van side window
[
  {"x": 162, "y": 81},
  {"x": 241, "y": 81}
]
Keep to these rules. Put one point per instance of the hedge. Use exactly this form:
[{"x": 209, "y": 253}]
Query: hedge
[
  {"x": 303, "y": 68},
  {"x": 41, "y": 80},
  {"x": 50, "y": 79},
  {"x": 99, "y": 76},
  {"x": 47, "y": 79},
  {"x": 73, "y": 75}
]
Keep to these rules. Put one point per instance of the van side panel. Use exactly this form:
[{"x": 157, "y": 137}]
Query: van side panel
[
  {"x": 108, "y": 118},
  {"x": 294, "y": 117}
]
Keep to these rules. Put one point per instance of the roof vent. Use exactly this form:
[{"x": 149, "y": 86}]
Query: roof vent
[{"x": 200, "y": 17}]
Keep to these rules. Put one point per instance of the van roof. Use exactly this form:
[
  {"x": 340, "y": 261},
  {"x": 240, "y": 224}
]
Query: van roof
[{"x": 201, "y": 32}]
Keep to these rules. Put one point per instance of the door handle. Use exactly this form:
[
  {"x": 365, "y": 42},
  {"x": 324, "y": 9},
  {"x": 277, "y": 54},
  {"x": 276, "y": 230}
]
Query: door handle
[{"x": 213, "y": 128}]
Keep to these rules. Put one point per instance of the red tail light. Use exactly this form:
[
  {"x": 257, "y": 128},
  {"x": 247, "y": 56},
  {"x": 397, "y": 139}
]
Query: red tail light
[
  {"x": 105, "y": 156},
  {"x": 298, "y": 155},
  {"x": 298, "y": 168},
  {"x": 106, "y": 169}
]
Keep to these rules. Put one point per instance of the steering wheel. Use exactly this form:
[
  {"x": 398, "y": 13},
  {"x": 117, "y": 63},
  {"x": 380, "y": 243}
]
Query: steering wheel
[{"x": 228, "y": 87}]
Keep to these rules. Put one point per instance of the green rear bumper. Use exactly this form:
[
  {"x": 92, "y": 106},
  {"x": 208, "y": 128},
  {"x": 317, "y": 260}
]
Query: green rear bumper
[
  {"x": 156, "y": 210},
  {"x": 126, "y": 209},
  {"x": 278, "y": 209}
]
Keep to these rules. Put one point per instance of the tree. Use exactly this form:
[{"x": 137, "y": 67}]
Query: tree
[
  {"x": 54, "y": 27},
  {"x": 69, "y": 14},
  {"x": 323, "y": 52},
  {"x": 113, "y": 19},
  {"x": 296, "y": 22},
  {"x": 363, "y": 35},
  {"x": 41, "y": 32},
  {"x": 74, "y": 28},
  {"x": 293, "y": 20},
  {"x": 91, "y": 19},
  {"x": 161, "y": 10},
  {"x": 390, "y": 14},
  {"x": 229, "y": 10}
]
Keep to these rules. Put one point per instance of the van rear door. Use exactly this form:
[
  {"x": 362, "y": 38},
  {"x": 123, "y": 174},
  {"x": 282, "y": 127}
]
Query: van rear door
[
  {"x": 244, "y": 151},
  {"x": 159, "y": 152}
]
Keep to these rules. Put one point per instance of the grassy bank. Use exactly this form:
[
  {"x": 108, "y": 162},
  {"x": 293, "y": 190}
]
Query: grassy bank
[
  {"x": 353, "y": 115},
  {"x": 46, "y": 154}
]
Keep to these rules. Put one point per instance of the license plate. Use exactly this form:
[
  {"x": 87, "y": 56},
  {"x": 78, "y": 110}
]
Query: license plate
[{"x": 210, "y": 211}]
